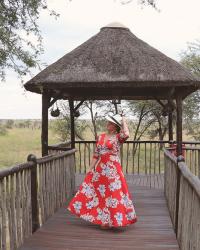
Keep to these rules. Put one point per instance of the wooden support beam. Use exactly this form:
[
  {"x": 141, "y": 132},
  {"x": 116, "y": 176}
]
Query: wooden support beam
[
  {"x": 53, "y": 101},
  {"x": 179, "y": 153},
  {"x": 179, "y": 125},
  {"x": 170, "y": 123},
  {"x": 71, "y": 106},
  {"x": 56, "y": 97},
  {"x": 78, "y": 105},
  {"x": 159, "y": 101},
  {"x": 34, "y": 194},
  {"x": 44, "y": 134},
  {"x": 170, "y": 126}
]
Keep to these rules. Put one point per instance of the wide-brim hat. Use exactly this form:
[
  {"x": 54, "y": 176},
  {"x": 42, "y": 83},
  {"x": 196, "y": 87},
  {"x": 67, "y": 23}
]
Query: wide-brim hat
[{"x": 117, "y": 119}]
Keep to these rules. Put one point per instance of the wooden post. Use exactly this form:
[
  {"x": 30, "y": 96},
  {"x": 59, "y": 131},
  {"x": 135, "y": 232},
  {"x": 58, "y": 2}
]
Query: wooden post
[
  {"x": 34, "y": 194},
  {"x": 179, "y": 125},
  {"x": 179, "y": 154},
  {"x": 71, "y": 106},
  {"x": 199, "y": 164},
  {"x": 170, "y": 125},
  {"x": 44, "y": 135}
]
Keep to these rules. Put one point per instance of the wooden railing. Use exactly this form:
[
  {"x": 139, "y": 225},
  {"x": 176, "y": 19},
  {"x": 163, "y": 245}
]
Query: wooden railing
[
  {"x": 31, "y": 192},
  {"x": 58, "y": 148},
  {"x": 191, "y": 152},
  {"x": 170, "y": 183},
  {"x": 192, "y": 158},
  {"x": 137, "y": 157},
  {"x": 182, "y": 192}
]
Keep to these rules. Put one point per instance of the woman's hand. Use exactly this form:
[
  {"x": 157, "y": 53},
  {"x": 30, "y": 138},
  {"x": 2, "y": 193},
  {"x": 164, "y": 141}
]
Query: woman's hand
[
  {"x": 124, "y": 129},
  {"x": 93, "y": 165},
  {"x": 122, "y": 113}
]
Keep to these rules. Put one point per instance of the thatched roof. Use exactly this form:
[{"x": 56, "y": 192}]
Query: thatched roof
[{"x": 114, "y": 62}]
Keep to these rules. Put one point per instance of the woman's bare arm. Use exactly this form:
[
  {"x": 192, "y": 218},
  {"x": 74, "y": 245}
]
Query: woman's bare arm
[
  {"x": 93, "y": 163},
  {"x": 125, "y": 128}
]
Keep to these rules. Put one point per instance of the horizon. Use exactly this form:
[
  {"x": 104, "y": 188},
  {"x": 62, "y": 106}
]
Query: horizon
[{"x": 170, "y": 33}]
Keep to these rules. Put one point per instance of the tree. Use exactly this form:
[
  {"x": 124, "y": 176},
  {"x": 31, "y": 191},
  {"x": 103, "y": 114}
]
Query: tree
[
  {"x": 148, "y": 113},
  {"x": 9, "y": 124},
  {"x": 18, "y": 27},
  {"x": 151, "y": 3},
  {"x": 18, "y": 24},
  {"x": 3, "y": 130},
  {"x": 190, "y": 58},
  {"x": 62, "y": 125},
  {"x": 97, "y": 110},
  {"x": 150, "y": 120}
]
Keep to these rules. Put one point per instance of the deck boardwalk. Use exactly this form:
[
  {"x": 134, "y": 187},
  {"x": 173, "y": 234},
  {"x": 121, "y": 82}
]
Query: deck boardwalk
[
  {"x": 148, "y": 180},
  {"x": 152, "y": 231}
]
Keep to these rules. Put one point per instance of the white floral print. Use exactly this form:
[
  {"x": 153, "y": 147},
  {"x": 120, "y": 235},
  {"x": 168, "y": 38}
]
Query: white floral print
[
  {"x": 95, "y": 176},
  {"x": 122, "y": 136},
  {"x": 109, "y": 171},
  {"x": 130, "y": 215},
  {"x": 125, "y": 200},
  {"x": 115, "y": 185},
  {"x": 102, "y": 189},
  {"x": 111, "y": 202},
  {"x": 96, "y": 200},
  {"x": 115, "y": 150},
  {"x": 87, "y": 217},
  {"x": 93, "y": 203},
  {"x": 88, "y": 190},
  {"x": 101, "y": 149},
  {"x": 104, "y": 215},
  {"x": 119, "y": 217},
  {"x": 115, "y": 158},
  {"x": 105, "y": 169},
  {"x": 77, "y": 206}
]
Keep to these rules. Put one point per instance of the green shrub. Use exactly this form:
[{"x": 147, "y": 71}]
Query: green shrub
[{"x": 3, "y": 130}]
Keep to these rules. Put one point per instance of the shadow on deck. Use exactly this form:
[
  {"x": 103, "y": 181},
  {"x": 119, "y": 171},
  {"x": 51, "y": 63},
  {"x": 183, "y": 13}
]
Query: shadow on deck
[{"x": 153, "y": 230}]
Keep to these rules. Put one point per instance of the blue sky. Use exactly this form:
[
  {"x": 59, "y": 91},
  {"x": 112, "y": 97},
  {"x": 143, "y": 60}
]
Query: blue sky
[{"x": 169, "y": 31}]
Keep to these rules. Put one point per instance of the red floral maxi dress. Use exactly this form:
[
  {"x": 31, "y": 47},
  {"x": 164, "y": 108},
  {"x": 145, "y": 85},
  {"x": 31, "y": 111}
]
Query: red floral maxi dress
[{"x": 103, "y": 197}]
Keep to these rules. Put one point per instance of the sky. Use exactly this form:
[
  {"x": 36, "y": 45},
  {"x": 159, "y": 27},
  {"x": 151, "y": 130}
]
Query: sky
[{"x": 168, "y": 30}]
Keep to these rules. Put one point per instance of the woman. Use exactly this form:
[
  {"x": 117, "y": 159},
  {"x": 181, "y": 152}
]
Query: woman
[{"x": 103, "y": 198}]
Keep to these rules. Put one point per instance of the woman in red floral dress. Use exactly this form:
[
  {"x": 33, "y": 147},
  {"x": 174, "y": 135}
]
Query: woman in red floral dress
[{"x": 103, "y": 198}]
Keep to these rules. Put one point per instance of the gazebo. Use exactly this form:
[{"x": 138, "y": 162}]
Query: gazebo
[{"x": 113, "y": 64}]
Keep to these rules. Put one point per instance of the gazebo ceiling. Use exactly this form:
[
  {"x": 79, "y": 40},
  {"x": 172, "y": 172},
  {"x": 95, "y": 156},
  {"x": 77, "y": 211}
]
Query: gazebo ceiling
[{"x": 114, "y": 63}]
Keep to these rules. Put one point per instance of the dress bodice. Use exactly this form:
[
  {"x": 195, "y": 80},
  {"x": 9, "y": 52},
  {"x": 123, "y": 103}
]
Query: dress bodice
[{"x": 111, "y": 145}]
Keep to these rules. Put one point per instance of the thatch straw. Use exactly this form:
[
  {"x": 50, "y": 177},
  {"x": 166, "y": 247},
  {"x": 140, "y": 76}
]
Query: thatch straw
[{"x": 113, "y": 56}]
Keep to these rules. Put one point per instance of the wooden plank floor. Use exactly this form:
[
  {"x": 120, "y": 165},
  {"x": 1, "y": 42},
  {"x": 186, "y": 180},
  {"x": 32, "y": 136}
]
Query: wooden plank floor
[
  {"x": 147, "y": 180},
  {"x": 152, "y": 231}
]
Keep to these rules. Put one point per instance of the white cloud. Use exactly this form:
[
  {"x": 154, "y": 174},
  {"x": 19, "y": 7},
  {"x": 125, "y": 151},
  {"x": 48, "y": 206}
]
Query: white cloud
[{"x": 168, "y": 30}]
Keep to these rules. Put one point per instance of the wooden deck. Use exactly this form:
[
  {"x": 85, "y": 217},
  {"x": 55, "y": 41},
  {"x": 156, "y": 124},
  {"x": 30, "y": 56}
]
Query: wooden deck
[
  {"x": 147, "y": 180},
  {"x": 152, "y": 231}
]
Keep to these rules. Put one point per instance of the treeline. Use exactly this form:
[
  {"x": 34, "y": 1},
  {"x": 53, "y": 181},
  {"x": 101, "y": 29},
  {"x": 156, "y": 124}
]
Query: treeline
[{"x": 6, "y": 124}]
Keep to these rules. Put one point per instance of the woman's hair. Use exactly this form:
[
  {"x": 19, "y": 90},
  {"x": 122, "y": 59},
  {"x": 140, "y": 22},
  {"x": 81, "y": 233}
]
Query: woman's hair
[{"x": 117, "y": 128}]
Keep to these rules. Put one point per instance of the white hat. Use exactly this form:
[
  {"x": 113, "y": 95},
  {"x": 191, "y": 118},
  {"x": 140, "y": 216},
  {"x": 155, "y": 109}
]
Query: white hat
[{"x": 117, "y": 119}]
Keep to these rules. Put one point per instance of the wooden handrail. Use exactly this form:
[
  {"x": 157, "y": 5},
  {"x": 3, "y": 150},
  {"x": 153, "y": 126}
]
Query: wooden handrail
[
  {"x": 55, "y": 156},
  {"x": 193, "y": 180},
  {"x": 28, "y": 165},
  {"x": 15, "y": 169},
  {"x": 131, "y": 152},
  {"x": 182, "y": 192},
  {"x": 128, "y": 141},
  {"x": 169, "y": 155},
  {"x": 31, "y": 192}
]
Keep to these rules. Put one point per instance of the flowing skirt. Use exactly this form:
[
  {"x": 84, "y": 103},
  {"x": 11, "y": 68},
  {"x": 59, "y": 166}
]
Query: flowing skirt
[{"x": 103, "y": 197}]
